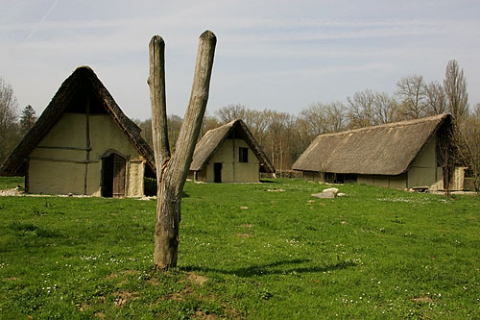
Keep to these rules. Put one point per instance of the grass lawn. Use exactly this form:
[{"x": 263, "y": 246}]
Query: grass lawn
[{"x": 253, "y": 251}]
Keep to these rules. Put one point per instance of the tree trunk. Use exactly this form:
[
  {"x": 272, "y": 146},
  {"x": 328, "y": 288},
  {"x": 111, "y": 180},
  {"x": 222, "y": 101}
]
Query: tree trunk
[{"x": 172, "y": 174}]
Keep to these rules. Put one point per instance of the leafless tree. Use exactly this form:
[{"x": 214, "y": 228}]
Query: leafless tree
[
  {"x": 174, "y": 124},
  {"x": 336, "y": 116},
  {"x": 146, "y": 127},
  {"x": 279, "y": 136},
  {"x": 471, "y": 132},
  {"x": 9, "y": 130},
  {"x": 361, "y": 109},
  {"x": 385, "y": 108},
  {"x": 411, "y": 96},
  {"x": 209, "y": 123},
  {"x": 231, "y": 112},
  {"x": 312, "y": 121},
  {"x": 455, "y": 86},
  {"x": 435, "y": 98}
]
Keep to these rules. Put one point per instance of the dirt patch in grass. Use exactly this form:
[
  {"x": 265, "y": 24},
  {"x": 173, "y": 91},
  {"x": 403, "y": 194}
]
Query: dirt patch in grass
[
  {"x": 244, "y": 235},
  {"x": 421, "y": 300},
  {"x": 123, "y": 297},
  {"x": 197, "y": 279},
  {"x": 246, "y": 225},
  {"x": 11, "y": 279},
  {"x": 204, "y": 316},
  {"x": 231, "y": 312},
  {"x": 154, "y": 282},
  {"x": 129, "y": 272},
  {"x": 174, "y": 296},
  {"x": 179, "y": 296}
]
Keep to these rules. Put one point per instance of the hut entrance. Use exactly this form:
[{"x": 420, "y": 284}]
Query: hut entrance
[
  {"x": 113, "y": 176},
  {"x": 217, "y": 172}
]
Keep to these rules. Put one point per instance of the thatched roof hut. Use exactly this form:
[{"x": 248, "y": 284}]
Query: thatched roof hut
[
  {"x": 215, "y": 140},
  {"x": 386, "y": 150},
  {"x": 82, "y": 96}
]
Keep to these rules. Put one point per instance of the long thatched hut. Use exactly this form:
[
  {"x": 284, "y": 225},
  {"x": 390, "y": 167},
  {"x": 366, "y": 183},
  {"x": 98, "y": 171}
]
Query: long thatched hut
[
  {"x": 82, "y": 144},
  {"x": 229, "y": 153},
  {"x": 408, "y": 154}
]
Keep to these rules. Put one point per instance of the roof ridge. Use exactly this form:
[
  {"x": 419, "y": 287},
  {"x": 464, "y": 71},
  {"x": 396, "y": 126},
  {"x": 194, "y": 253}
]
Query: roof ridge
[{"x": 391, "y": 124}]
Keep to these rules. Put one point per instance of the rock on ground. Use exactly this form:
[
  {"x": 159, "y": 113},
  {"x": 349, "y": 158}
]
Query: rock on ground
[{"x": 324, "y": 195}]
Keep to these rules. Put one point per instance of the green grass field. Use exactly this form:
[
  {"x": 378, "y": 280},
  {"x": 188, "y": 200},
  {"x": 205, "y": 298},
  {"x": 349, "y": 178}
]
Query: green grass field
[{"x": 252, "y": 251}]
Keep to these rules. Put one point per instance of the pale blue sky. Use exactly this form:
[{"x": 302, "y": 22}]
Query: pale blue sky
[{"x": 280, "y": 55}]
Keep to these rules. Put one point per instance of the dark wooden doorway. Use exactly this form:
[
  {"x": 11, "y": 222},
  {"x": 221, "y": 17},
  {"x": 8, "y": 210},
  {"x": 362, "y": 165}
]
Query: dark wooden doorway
[
  {"x": 217, "y": 172},
  {"x": 113, "y": 176}
]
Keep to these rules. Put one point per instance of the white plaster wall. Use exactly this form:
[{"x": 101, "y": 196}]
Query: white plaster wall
[
  {"x": 62, "y": 171},
  {"x": 232, "y": 169}
]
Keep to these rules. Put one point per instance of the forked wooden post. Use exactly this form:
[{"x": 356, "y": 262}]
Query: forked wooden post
[{"x": 171, "y": 175}]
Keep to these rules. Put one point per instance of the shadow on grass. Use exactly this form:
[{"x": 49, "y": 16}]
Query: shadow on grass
[{"x": 280, "y": 267}]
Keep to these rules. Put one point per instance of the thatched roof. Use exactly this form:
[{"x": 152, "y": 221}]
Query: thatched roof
[
  {"x": 82, "y": 86},
  {"x": 213, "y": 140},
  {"x": 387, "y": 149}
]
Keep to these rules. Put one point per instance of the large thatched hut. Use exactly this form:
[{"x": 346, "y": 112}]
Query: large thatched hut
[
  {"x": 407, "y": 154},
  {"x": 82, "y": 144},
  {"x": 229, "y": 153}
]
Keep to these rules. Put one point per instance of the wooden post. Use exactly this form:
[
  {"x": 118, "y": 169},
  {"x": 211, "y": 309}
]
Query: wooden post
[
  {"x": 156, "y": 82},
  {"x": 171, "y": 175}
]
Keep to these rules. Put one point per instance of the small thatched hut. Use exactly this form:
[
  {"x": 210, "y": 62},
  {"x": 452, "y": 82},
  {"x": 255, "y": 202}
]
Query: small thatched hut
[
  {"x": 407, "y": 154},
  {"x": 82, "y": 144},
  {"x": 229, "y": 153}
]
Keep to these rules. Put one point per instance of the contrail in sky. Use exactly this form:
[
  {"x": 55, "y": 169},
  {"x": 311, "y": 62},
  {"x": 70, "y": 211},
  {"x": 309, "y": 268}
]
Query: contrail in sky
[{"x": 41, "y": 21}]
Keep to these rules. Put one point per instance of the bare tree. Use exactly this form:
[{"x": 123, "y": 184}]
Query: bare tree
[
  {"x": 435, "y": 99},
  {"x": 231, "y": 112},
  {"x": 471, "y": 132},
  {"x": 312, "y": 120},
  {"x": 9, "y": 130},
  {"x": 172, "y": 170},
  {"x": 361, "y": 113},
  {"x": 279, "y": 138},
  {"x": 209, "y": 123},
  {"x": 174, "y": 124},
  {"x": 385, "y": 108},
  {"x": 146, "y": 127},
  {"x": 335, "y": 116},
  {"x": 257, "y": 121},
  {"x": 455, "y": 86},
  {"x": 412, "y": 97}
]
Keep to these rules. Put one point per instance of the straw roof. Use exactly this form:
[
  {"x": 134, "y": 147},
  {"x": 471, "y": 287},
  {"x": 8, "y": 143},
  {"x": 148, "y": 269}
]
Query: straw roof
[
  {"x": 81, "y": 88},
  {"x": 213, "y": 140},
  {"x": 387, "y": 149}
]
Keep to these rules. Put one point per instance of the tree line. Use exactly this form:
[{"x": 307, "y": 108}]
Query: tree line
[{"x": 284, "y": 136}]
